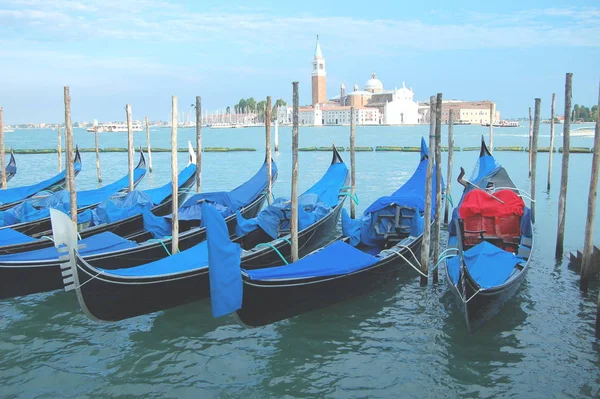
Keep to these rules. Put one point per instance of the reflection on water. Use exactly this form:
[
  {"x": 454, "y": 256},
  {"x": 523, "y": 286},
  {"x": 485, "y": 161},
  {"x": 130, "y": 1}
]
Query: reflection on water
[{"x": 401, "y": 340}]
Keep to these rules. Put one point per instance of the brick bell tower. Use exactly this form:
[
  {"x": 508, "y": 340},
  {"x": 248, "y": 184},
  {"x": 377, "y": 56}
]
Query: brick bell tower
[{"x": 319, "y": 95}]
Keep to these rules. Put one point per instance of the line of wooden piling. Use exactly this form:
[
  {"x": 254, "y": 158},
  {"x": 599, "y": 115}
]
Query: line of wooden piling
[
  {"x": 425, "y": 243},
  {"x": 294, "y": 213},
  {"x": 149, "y": 148},
  {"x": 588, "y": 245},
  {"x": 450, "y": 161},
  {"x": 59, "y": 150},
  {"x": 530, "y": 138},
  {"x": 438, "y": 185},
  {"x": 70, "y": 156},
  {"x": 534, "y": 152},
  {"x": 552, "y": 116},
  {"x": 198, "y": 144},
  {"x": 2, "y": 150},
  {"x": 564, "y": 178},
  {"x": 352, "y": 162},
  {"x": 130, "y": 145},
  {"x": 174, "y": 183},
  {"x": 492, "y": 112},
  {"x": 97, "y": 154},
  {"x": 268, "y": 156}
]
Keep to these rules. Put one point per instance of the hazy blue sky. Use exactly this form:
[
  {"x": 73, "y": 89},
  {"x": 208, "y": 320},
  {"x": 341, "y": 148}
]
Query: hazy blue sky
[{"x": 113, "y": 52}]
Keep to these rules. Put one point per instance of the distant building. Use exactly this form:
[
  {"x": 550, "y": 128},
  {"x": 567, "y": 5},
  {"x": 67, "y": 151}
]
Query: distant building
[
  {"x": 373, "y": 105},
  {"x": 464, "y": 112}
]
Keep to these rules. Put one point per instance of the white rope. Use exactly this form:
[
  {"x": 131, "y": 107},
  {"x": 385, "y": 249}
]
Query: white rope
[
  {"x": 522, "y": 193},
  {"x": 409, "y": 262},
  {"x": 472, "y": 296},
  {"x": 91, "y": 278}
]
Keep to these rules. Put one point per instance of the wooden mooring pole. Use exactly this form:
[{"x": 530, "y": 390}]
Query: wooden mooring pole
[
  {"x": 534, "y": 151},
  {"x": 587, "y": 266},
  {"x": 268, "y": 149},
  {"x": 352, "y": 162},
  {"x": 59, "y": 150},
  {"x": 198, "y": 144},
  {"x": 552, "y": 116},
  {"x": 437, "y": 221},
  {"x": 425, "y": 246},
  {"x": 530, "y": 138},
  {"x": 564, "y": 177},
  {"x": 129, "y": 145},
  {"x": 148, "y": 143},
  {"x": 276, "y": 135},
  {"x": 450, "y": 160},
  {"x": 97, "y": 154},
  {"x": 492, "y": 113},
  {"x": 175, "y": 186},
  {"x": 2, "y": 155},
  {"x": 70, "y": 156},
  {"x": 294, "y": 216}
]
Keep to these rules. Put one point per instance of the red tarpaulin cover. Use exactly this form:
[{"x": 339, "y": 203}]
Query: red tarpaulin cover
[{"x": 478, "y": 202}]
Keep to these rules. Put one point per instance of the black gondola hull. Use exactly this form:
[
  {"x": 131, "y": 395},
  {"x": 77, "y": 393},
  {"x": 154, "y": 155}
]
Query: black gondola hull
[
  {"x": 268, "y": 302},
  {"x": 20, "y": 278}
]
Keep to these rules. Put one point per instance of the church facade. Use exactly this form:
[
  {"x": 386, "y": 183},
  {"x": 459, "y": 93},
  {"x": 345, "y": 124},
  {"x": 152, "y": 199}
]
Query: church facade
[{"x": 373, "y": 106}]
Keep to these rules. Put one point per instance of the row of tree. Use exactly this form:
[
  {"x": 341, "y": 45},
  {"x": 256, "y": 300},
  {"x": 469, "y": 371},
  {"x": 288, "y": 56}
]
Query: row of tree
[
  {"x": 583, "y": 113},
  {"x": 249, "y": 105}
]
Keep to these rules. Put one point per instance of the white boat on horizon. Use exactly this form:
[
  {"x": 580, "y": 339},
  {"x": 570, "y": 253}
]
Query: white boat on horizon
[{"x": 115, "y": 127}]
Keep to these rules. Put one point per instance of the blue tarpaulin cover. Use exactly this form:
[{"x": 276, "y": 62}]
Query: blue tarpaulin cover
[
  {"x": 336, "y": 259},
  {"x": 411, "y": 195},
  {"x": 489, "y": 265},
  {"x": 120, "y": 208},
  {"x": 100, "y": 243},
  {"x": 313, "y": 205},
  {"x": 224, "y": 265},
  {"x": 11, "y": 237},
  {"x": 157, "y": 225},
  {"x": 159, "y": 194},
  {"x": 16, "y": 194},
  {"x": 39, "y": 208},
  {"x": 228, "y": 202}
]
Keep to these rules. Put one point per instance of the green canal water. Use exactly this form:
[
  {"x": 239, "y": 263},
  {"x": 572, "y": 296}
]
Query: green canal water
[{"x": 400, "y": 341}]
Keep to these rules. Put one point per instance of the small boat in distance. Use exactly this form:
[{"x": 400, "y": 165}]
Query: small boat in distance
[
  {"x": 503, "y": 124},
  {"x": 8, "y": 130},
  {"x": 115, "y": 127},
  {"x": 220, "y": 125}
]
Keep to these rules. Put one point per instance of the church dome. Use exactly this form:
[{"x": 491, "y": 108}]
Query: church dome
[{"x": 374, "y": 85}]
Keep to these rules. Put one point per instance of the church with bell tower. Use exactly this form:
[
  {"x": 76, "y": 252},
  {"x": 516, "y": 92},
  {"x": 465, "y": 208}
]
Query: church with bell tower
[{"x": 319, "y": 91}]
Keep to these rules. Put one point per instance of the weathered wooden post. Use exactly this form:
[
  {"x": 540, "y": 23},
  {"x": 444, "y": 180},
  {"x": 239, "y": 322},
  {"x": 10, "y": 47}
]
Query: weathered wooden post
[
  {"x": 129, "y": 145},
  {"x": 198, "y": 144},
  {"x": 268, "y": 148},
  {"x": 534, "y": 151},
  {"x": 552, "y": 116},
  {"x": 530, "y": 138},
  {"x": 598, "y": 318},
  {"x": 492, "y": 114},
  {"x": 564, "y": 176},
  {"x": 2, "y": 155},
  {"x": 70, "y": 155},
  {"x": 352, "y": 162},
  {"x": 294, "y": 216},
  {"x": 450, "y": 159},
  {"x": 437, "y": 221},
  {"x": 425, "y": 246},
  {"x": 587, "y": 265},
  {"x": 59, "y": 150},
  {"x": 175, "y": 186},
  {"x": 149, "y": 149},
  {"x": 97, "y": 155},
  {"x": 276, "y": 135}
]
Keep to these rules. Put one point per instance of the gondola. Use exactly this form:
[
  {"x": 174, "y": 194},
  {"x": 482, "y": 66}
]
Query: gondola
[
  {"x": 128, "y": 219},
  {"x": 11, "y": 167},
  {"x": 491, "y": 233},
  {"x": 15, "y": 195},
  {"x": 384, "y": 243},
  {"x": 39, "y": 271},
  {"x": 169, "y": 281},
  {"x": 32, "y": 216}
]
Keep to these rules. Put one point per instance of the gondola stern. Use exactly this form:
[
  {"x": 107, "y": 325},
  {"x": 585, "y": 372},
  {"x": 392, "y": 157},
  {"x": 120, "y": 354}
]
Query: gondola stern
[
  {"x": 424, "y": 149},
  {"x": 142, "y": 162},
  {"x": 337, "y": 158},
  {"x": 484, "y": 148}
]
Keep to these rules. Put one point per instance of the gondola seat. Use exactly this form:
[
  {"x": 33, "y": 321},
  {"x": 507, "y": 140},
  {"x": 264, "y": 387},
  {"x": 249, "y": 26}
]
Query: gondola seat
[
  {"x": 485, "y": 218},
  {"x": 395, "y": 225}
]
